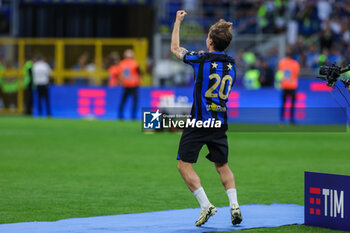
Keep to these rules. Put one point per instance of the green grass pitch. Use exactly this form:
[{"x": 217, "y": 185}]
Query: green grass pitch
[{"x": 56, "y": 169}]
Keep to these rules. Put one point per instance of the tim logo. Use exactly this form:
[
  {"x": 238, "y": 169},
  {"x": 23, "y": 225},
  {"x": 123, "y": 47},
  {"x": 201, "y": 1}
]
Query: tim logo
[
  {"x": 151, "y": 120},
  {"x": 333, "y": 202},
  {"x": 327, "y": 200},
  {"x": 91, "y": 102}
]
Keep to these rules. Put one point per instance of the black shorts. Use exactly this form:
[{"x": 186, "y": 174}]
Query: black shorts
[{"x": 193, "y": 139}]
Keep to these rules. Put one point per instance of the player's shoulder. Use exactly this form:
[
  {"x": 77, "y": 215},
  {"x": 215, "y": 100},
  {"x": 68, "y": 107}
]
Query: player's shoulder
[
  {"x": 220, "y": 57},
  {"x": 230, "y": 59},
  {"x": 193, "y": 56},
  {"x": 126, "y": 63},
  {"x": 134, "y": 62}
]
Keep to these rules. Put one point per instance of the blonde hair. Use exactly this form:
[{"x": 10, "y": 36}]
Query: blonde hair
[{"x": 221, "y": 34}]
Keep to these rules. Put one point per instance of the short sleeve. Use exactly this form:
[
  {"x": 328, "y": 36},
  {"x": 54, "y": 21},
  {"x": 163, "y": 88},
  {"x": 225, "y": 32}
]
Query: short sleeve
[{"x": 192, "y": 57}]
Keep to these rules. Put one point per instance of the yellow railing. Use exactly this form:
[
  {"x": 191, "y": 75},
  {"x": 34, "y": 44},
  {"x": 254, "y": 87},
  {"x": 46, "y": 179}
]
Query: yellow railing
[{"x": 60, "y": 72}]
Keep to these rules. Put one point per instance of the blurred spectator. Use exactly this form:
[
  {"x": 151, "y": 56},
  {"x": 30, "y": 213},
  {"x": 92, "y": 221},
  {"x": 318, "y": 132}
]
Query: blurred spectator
[
  {"x": 346, "y": 34},
  {"x": 251, "y": 78},
  {"x": 299, "y": 52},
  {"x": 279, "y": 16},
  {"x": 312, "y": 58},
  {"x": 266, "y": 78},
  {"x": 113, "y": 71},
  {"x": 324, "y": 9},
  {"x": 248, "y": 58},
  {"x": 334, "y": 56},
  {"x": 308, "y": 19},
  {"x": 320, "y": 23},
  {"x": 41, "y": 80},
  {"x": 81, "y": 64},
  {"x": 326, "y": 36},
  {"x": 336, "y": 27},
  {"x": 28, "y": 86},
  {"x": 322, "y": 59},
  {"x": 169, "y": 72},
  {"x": 9, "y": 86},
  {"x": 346, "y": 60},
  {"x": 109, "y": 60},
  {"x": 262, "y": 15},
  {"x": 91, "y": 67},
  {"x": 2, "y": 68},
  {"x": 246, "y": 16},
  {"x": 190, "y": 6},
  {"x": 216, "y": 9},
  {"x": 292, "y": 32},
  {"x": 272, "y": 57},
  {"x": 130, "y": 78},
  {"x": 289, "y": 68}
]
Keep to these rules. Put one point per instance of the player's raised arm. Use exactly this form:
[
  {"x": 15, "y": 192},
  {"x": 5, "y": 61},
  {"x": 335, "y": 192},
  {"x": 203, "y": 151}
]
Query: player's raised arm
[{"x": 178, "y": 51}]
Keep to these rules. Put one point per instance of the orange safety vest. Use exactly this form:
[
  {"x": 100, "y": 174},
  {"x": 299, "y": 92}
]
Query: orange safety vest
[
  {"x": 113, "y": 76},
  {"x": 128, "y": 70},
  {"x": 290, "y": 69}
]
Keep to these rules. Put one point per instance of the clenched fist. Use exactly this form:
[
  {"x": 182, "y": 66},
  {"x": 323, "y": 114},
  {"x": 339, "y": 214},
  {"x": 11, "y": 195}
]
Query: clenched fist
[{"x": 180, "y": 15}]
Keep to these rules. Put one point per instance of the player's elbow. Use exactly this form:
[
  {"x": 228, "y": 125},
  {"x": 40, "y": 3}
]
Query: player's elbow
[{"x": 173, "y": 50}]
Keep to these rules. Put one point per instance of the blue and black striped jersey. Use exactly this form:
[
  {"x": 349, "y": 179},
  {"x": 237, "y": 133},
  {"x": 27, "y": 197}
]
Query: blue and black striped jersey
[{"x": 214, "y": 74}]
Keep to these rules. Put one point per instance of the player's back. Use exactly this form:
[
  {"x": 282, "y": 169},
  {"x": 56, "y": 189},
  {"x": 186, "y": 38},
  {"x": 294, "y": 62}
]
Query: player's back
[{"x": 215, "y": 75}]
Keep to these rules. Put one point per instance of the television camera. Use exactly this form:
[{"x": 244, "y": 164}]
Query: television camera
[{"x": 332, "y": 73}]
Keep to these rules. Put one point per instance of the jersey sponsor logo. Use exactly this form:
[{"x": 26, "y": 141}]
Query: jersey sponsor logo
[{"x": 216, "y": 108}]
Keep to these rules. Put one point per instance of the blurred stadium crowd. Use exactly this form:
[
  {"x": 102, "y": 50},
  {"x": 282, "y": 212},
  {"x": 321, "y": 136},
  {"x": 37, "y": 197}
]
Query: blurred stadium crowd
[{"x": 318, "y": 32}]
